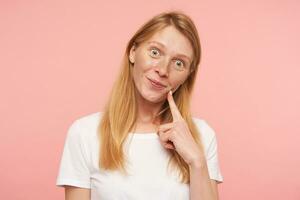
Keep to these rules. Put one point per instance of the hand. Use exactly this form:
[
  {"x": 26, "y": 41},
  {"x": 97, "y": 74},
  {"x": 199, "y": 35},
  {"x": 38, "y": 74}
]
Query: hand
[{"x": 176, "y": 135}]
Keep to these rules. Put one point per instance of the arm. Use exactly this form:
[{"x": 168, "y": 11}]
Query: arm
[
  {"x": 76, "y": 193},
  {"x": 201, "y": 186}
]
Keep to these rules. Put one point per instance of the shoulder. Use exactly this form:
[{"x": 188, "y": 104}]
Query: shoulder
[
  {"x": 207, "y": 133},
  {"x": 88, "y": 120},
  {"x": 204, "y": 126},
  {"x": 86, "y": 125}
]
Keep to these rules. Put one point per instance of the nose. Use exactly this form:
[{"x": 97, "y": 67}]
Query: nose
[{"x": 163, "y": 68}]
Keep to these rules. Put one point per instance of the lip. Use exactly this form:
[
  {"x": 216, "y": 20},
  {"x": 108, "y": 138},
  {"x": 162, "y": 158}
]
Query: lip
[{"x": 156, "y": 84}]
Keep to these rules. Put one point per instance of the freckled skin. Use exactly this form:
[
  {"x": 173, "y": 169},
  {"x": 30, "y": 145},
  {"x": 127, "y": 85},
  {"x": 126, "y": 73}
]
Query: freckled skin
[{"x": 160, "y": 63}]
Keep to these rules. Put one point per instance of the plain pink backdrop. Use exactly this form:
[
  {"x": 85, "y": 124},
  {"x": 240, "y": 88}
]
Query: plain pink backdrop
[{"x": 59, "y": 59}]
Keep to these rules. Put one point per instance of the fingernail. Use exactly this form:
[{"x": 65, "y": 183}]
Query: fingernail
[{"x": 170, "y": 92}]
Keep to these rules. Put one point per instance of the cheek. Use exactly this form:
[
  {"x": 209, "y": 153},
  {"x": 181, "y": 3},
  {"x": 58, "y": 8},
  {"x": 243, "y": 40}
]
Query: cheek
[
  {"x": 152, "y": 62},
  {"x": 144, "y": 62},
  {"x": 137, "y": 74},
  {"x": 177, "y": 81},
  {"x": 175, "y": 85},
  {"x": 140, "y": 66}
]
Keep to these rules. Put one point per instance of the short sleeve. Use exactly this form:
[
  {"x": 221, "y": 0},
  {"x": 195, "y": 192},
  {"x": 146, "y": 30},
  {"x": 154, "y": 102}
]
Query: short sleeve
[
  {"x": 212, "y": 155},
  {"x": 74, "y": 169}
]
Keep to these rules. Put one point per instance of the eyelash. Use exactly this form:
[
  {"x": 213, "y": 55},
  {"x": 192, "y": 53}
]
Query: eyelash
[{"x": 159, "y": 53}]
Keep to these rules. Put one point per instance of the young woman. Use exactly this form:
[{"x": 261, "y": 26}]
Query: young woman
[{"x": 145, "y": 144}]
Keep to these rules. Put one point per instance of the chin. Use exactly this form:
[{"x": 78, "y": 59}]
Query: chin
[{"x": 155, "y": 98}]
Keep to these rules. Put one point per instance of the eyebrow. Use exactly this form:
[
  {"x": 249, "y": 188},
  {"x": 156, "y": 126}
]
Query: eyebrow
[{"x": 163, "y": 46}]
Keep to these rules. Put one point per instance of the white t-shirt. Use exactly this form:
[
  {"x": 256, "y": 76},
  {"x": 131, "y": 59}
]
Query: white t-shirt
[{"x": 148, "y": 179}]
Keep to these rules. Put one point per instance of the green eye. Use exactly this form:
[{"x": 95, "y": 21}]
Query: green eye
[
  {"x": 180, "y": 66},
  {"x": 154, "y": 52}
]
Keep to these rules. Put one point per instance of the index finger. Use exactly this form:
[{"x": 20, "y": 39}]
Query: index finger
[{"x": 174, "y": 110}]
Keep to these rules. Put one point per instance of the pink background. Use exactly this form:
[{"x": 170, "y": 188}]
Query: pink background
[{"x": 59, "y": 59}]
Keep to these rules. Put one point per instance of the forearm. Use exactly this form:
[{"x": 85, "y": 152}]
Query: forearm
[{"x": 200, "y": 183}]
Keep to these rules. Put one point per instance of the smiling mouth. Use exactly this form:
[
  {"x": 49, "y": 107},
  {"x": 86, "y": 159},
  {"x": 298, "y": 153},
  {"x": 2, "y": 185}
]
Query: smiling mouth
[{"x": 156, "y": 85}]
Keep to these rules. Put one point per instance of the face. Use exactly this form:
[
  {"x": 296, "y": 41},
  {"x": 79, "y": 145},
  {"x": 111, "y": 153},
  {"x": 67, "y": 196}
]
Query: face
[{"x": 161, "y": 63}]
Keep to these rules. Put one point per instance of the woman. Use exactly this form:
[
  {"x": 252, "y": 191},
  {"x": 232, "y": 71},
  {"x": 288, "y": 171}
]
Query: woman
[{"x": 145, "y": 144}]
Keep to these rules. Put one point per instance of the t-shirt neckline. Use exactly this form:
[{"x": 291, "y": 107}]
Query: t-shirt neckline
[{"x": 146, "y": 135}]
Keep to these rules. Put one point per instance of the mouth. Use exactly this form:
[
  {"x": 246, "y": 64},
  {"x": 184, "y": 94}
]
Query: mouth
[{"x": 156, "y": 84}]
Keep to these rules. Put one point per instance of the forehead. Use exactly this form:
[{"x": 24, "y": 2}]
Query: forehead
[{"x": 172, "y": 40}]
